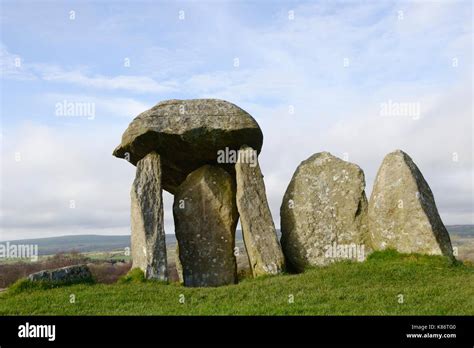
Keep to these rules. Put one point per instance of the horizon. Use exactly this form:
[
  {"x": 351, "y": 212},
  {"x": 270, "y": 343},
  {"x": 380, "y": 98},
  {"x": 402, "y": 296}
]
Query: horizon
[{"x": 166, "y": 234}]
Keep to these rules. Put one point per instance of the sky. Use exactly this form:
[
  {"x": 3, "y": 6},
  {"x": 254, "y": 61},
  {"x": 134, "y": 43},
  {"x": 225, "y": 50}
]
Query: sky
[{"x": 356, "y": 78}]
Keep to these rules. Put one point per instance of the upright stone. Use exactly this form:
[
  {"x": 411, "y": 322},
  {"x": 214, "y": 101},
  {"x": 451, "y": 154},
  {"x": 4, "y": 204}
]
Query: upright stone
[
  {"x": 205, "y": 216},
  {"x": 177, "y": 262},
  {"x": 324, "y": 213},
  {"x": 263, "y": 249},
  {"x": 148, "y": 235},
  {"x": 402, "y": 210}
]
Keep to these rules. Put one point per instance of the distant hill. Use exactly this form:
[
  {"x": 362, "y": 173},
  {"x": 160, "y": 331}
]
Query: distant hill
[
  {"x": 95, "y": 243},
  {"x": 461, "y": 230},
  {"x": 80, "y": 243}
]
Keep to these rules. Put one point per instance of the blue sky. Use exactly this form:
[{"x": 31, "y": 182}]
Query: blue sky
[{"x": 314, "y": 74}]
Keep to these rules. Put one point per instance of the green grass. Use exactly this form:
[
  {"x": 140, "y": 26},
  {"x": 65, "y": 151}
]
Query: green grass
[
  {"x": 430, "y": 285},
  {"x": 25, "y": 285},
  {"x": 135, "y": 275}
]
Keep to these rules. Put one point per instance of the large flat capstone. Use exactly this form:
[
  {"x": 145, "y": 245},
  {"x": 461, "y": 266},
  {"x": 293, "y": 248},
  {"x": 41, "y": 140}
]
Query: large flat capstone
[{"x": 188, "y": 134}]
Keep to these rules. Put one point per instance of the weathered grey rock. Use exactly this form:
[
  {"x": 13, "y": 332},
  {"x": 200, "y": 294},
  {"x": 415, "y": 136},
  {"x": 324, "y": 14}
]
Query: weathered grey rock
[
  {"x": 205, "y": 217},
  {"x": 72, "y": 274},
  {"x": 402, "y": 210},
  {"x": 188, "y": 134},
  {"x": 242, "y": 259},
  {"x": 179, "y": 267},
  {"x": 324, "y": 209},
  {"x": 148, "y": 236},
  {"x": 258, "y": 230}
]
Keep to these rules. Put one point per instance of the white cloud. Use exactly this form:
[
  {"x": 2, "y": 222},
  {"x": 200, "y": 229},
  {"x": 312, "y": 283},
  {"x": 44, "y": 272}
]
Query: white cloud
[
  {"x": 58, "y": 166},
  {"x": 443, "y": 131},
  {"x": 12, "y": 66},
  {"x": 137, "y": 84},
  {"x": 104, "y": 105}
]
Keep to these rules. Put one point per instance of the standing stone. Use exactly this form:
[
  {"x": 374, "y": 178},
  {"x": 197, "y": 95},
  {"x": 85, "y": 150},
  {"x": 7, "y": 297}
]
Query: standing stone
[
  {"x": 177, "y": 262},
  {"x": 148, "y": 235},
  {"x": 324, "y": 213},
  {"x": 402, "y": 210},
  {"x": 263, "y": 249},
  {"x": 205, "y": 216}
]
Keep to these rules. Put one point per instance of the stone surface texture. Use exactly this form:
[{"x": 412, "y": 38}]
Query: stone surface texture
[
  {"x": 188, "y": 134},
  {"x": 76, "y": 273},
  {"x": 258, "y": 230},
  {"x": 402, "y": 210},
  {"x": 324, "y": 205},
  {"x": 205, "y": 216},
  {"x": 148, "y": 242}
]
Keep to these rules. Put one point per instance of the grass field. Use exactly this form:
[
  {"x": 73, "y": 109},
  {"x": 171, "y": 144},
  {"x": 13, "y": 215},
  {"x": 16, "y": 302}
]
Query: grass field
[{"x": 429, "y": 285}]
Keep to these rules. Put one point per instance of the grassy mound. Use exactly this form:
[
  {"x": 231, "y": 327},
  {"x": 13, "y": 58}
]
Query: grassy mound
[{"x": 388, "y": 283}]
